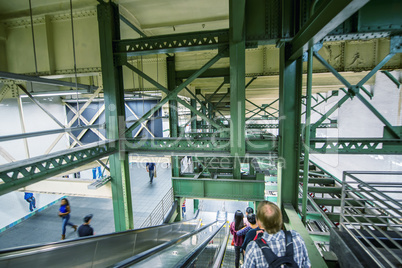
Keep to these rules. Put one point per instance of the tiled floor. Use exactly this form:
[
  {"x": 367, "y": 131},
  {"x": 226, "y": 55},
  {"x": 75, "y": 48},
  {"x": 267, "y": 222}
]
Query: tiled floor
[{"x": 45, "y": 226}]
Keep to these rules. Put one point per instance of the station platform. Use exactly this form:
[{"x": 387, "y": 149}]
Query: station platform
[{"x": 44, "y": 226}]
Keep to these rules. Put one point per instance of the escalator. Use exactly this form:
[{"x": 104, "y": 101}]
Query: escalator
[{"x": 183, "y": 244}]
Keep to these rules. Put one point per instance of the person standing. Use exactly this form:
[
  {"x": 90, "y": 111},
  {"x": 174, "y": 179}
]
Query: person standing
[
  {"x": 85, "y": 229},
  {"x": 249, "y": 210},
  {"x": 64, "y": 213},
  {"x": 235, "y": 226},
  {"x": 251, "y": 232},
  {"x": 275, "y": 245},
  {"x": 29, "y": 197},
  {"x": 151, "y": 171}
]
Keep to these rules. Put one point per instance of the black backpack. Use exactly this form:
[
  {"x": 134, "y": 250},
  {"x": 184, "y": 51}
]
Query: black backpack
[{"x": 275, "y": 261}]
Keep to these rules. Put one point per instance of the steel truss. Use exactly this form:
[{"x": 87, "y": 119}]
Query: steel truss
[{"x": 22, "y": 173}]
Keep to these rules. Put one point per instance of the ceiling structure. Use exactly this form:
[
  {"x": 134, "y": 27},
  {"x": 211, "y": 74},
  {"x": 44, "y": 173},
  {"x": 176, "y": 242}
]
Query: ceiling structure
[{"x": 53, "y": 40}]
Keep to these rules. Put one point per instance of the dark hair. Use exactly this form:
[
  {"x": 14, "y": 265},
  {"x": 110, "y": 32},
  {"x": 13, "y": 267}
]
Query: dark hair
[
  {"x": 238, "y": 219},
  {"x": 270, "y": 217},
  {"x": 67, "y": 203},
  {"x": 249, "y": 210},
  {"x": 251, "y": 218}
]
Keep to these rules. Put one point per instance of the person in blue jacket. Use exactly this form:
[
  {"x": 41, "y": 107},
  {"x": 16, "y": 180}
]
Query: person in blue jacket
[
  {"x": 29, "y": 197},
  {"x": 64, "y": 213},
  {"x": 151, "y": 170}
]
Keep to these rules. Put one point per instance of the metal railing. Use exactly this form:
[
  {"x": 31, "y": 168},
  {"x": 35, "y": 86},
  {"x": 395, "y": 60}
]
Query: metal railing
[
  {"x": 162, "y": 208},
  {"x": 371, "y": 213}
]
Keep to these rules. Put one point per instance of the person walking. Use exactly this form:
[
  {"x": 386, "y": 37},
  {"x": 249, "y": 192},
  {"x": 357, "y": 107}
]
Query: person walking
[
  {"x": 151, "y": 170},
  {"x": 29, "y": 197},
  {"x": 64, "y": 213},
  {"x": 235, "y": 226},
  {"x": 85, "y": 229}
]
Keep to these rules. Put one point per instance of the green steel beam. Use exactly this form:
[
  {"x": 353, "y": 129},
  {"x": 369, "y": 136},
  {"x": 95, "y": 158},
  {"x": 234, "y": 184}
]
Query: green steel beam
[
  {"x": 211, "y": 73},
  {"x": 172, "y": 43},
  {"x": 325, "y": 190},
  {"x": 109, "y": 30},
  {"x": 185, "y": 146},
  {"x": 295, "y": 223},
  {"x": 329, "y": 112},
  {"x": 203, "y": 116},
  {"x": 173, "y": 111},
  {"x": 173, "y": 93},
  {"x": 26, "y": 172},
  {"x": 326, "y": 181},
  {"x": 237, "y": 52},
  {"x": 322, "y": 22},
  {"x": 393, "y": 79},
  {"x": 336, "y": 202},
  {"x": 247, "y": 190},
  {"x": 356, "y": 146},
  {"x": 148, "y": 78},
  {"x": 394, "y": 133},
  {"x": 306, "y": 142},
  {"x": 193, "y": 103},
  {"x": 132, "y": 26},
  {"x": 290, "y": 89}
]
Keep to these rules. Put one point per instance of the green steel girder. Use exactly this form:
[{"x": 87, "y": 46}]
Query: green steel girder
[
  {"x": 183, "y": 146},
  {"x": 113, "y": 88},
  {"x": 326, "y": 189},
  {"x": 336, "y": 202},
  {"x": 183, "y": 42},
  {"x": 247, "y": 190},
  {"x": 326, "y": 181},
  {"x": 323, "y": 21},
  {"x": 173, "y": 94},
  {"x": 356, "y": 146},
  {"x": 211, "y": 73},
  {"x": 22, "y": 173}
]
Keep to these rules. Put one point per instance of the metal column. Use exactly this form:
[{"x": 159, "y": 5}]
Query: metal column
[
  {"x": 173, "y": 115},
  {"x": 109, "y": 30},
  {"x": 237, "y": 52},
  {"x": 306, "y": 143},
  {"x": 290, "y": 77}
]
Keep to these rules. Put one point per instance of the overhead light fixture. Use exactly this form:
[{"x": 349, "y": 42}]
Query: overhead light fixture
[{"x": 55, "y": 93}]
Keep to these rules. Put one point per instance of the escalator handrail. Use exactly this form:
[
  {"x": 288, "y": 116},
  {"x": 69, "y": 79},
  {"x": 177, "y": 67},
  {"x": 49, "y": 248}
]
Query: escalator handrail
[
  {"x": 67, "y": 243},
  {"x": 143, "y": 255},
  {"x": 222, "y": 250},
  {"x": 197, "y": 251}
]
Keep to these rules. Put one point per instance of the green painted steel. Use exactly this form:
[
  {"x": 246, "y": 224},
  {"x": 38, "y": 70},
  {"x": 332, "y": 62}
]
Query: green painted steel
[
  {"x": 237, "y": 52},
  {"x": 327, "y": 189},
  {"x": 109, "y": 30},
  {"x": 173, "y": 94},
  {"x": 204, "y": 40},
  {"x": 325, "y": 181},
  {"x": 356, "y": 145},
  {"x": 296, "y": 224},
  {"x": 231, "y": 189},
  {"x": 289, "y": 128},
  {"x": 193, "y": 103},
  {"x": 306, "y": 143},
  {"x": 173, "y": 111},
  {"x": 393, "y": 79},
  {"x": 25, "y": 172},
  {"x": 185, "y": 146},
  {"x": 322, "y": 22},
  {"x": 196, "y": 204}
]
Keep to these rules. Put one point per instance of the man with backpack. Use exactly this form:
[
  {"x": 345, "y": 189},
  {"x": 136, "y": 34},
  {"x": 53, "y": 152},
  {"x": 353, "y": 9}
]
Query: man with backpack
[{"x": 275, "y": 248}]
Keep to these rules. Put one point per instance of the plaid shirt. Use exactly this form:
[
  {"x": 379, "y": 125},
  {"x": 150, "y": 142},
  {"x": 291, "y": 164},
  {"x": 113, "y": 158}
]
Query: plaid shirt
[{"x": 255, "y": 257}]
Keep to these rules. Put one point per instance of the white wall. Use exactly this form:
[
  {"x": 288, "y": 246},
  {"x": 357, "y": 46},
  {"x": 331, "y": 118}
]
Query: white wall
[
  {"x": 35, "y": 120},
  {"x": 356, "y": 120}
]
